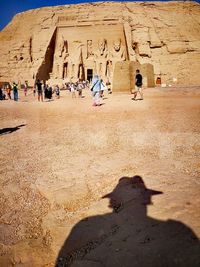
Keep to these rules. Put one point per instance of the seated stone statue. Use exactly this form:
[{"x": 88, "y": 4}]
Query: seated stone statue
[
  {"x": 117, "y": 53},
  {"x": 75, "y": 61},
  {"x": 101, "y": 58}
]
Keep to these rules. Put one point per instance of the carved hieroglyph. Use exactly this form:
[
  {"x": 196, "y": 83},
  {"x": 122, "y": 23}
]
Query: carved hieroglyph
[{"x": 61, "y": 43}]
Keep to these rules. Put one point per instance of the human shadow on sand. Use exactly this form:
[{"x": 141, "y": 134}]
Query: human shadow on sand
[
  {"x": 10, "y": 130},
  {"x": 128, "y": 237}
]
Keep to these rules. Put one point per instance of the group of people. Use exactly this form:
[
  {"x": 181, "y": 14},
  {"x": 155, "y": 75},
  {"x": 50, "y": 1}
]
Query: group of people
[
  {"x": 7, "y": 90},
  {"x": 77, "y": 87},
  {"x": 97, "y": 88},
  {"x": 45, "y": 90}
]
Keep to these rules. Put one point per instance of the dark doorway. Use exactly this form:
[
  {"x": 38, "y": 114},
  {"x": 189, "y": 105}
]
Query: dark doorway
[
  {"x": 64, "y": 75},
  {"x": 89, "y": 74}
]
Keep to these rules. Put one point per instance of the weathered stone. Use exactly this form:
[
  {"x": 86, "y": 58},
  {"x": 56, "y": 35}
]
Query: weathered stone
[
  {"x": 125, "y": 70},
  {"x": 76, "y": 41}
]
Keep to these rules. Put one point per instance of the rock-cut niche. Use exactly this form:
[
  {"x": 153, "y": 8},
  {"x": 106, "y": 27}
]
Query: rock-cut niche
[{"x": 46, "y": 67}]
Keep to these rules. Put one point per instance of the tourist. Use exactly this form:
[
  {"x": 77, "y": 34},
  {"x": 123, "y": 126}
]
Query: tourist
[
  {"x": 86, "y": 84},
  {"x": 15, "y": 91},
  {"x": 80, "y": 87},
  {"x": 38, "y": 85},
  {"x": 103, "y": 87},
  {"x": 50, "y": 92},
  {"x": 72, "y": 90},
  {"x": 108, "y": 84},
  {"x": 2, "y": 97},
  {"x": 57, "y": 90},
  {"x": 138, "y": 85},
  {"x": 8, "y": 91},
  {"x": 25, "y": 88},
  {"x": 67, "y": 86},
  {"x": 96, "y": 88},
  {"x": 45, "y": 89}
]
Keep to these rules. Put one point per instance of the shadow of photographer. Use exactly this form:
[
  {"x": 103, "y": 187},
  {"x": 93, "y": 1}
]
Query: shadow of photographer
[{"x": 128, "y": 237}]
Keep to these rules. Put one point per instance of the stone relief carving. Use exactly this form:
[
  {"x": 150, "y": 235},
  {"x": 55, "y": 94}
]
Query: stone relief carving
[
  {"x": 75, "y": 61},
  {"x": 134, "y": 51},
  {"x": 62, "y": 47},
  {"x": 117, "y": 53},
  {"x": 101, "y": 57},
  {"x": 90, "y": 53},
  {"x": 60, "y": 53},
  {"x": 71, "y": 59}
]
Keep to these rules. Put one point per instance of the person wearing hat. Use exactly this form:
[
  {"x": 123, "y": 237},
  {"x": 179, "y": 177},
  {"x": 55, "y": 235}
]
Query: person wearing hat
[{"x": 127, "y": 236}]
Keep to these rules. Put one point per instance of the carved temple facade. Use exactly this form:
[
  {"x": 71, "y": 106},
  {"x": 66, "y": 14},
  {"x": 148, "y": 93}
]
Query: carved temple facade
[
  {"x": 87, "y": 49},
  {"x": 74, "y": 42}
]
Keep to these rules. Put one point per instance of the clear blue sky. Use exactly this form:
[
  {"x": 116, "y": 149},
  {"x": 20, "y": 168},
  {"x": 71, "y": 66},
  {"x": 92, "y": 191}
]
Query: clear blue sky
[{"x": 9, "y": 8}]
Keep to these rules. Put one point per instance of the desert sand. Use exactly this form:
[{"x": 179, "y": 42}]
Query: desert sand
[{"x": 59, "y": 158}]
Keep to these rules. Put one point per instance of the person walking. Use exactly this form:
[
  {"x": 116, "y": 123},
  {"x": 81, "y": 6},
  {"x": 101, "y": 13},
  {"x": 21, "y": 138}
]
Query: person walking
[
  {"x": 80, "y": 87},
  {"x": 72, "y": 90},
  {"x": 96, "y": 89},
  {"x": 38, "y": 85},
  {"x": 8, "y": 90},
  {"x": 138, "y": 85},
  {"x": 25, "y": 88},
  {"x": 108, "y": 84},
  {"x": 15, "y": 91},
  {"x": 57, "y": 90},
  {"x": 103, "y": 87}
]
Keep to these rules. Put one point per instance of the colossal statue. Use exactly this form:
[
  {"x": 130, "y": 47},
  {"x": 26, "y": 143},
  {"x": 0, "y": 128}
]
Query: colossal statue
[
  {"x": 69, "y": 60},
  {"x": 117, "y": 53},
  {"x": 101, "y": 58},
  {"x": 62, "y": 46},
  {"x": 90, "y": 53},
  {"x": 75, "y": 61},
  {"x": 61, "y": 53}
]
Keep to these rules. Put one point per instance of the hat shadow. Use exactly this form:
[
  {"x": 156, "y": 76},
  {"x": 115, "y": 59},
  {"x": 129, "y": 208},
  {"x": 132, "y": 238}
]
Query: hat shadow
[{"x": 127, "y": 236}]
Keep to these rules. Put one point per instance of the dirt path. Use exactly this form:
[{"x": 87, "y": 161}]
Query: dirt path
[{"x": 59, "y": 158}]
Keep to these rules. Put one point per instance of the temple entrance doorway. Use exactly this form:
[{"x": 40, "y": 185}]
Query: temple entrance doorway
[{"x": 89, "y": 74}]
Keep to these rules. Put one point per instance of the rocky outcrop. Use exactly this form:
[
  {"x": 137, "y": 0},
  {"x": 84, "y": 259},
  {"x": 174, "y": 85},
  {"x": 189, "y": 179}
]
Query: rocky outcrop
[{"x": 63, "y": 42}]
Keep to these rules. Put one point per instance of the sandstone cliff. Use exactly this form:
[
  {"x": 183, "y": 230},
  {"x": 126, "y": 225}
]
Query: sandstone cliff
[{"x": 166, "y": 35}]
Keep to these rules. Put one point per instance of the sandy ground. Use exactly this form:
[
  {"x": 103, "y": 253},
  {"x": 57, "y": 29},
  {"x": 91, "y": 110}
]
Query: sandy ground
[{"x": 66, "y": 154}]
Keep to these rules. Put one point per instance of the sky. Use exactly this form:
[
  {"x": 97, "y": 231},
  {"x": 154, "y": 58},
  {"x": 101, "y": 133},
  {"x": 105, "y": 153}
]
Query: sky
[{"x": 9, "y": 8}]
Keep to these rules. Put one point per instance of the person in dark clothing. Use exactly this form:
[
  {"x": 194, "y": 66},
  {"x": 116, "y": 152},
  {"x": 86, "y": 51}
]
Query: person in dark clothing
[
  {"x": 15, "y": 91},
  {"x": 45, "y": 91},
  {"x": 50, "y": 92},
  {"x": 138, "y": 85},
  {"x": 1, "y": 94},
  {"x": 39, "y": 90}
]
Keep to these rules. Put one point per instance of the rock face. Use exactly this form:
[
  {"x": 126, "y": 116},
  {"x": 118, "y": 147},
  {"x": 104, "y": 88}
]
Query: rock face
[{"x": 75, "y": 41}]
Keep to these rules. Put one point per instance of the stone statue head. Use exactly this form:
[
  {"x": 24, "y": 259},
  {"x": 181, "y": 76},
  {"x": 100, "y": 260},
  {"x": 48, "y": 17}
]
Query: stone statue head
[
  {"x": 117, "y": 44},
  {"x": 89, "y": 42},
  {"x": 134, "y": 45}
]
